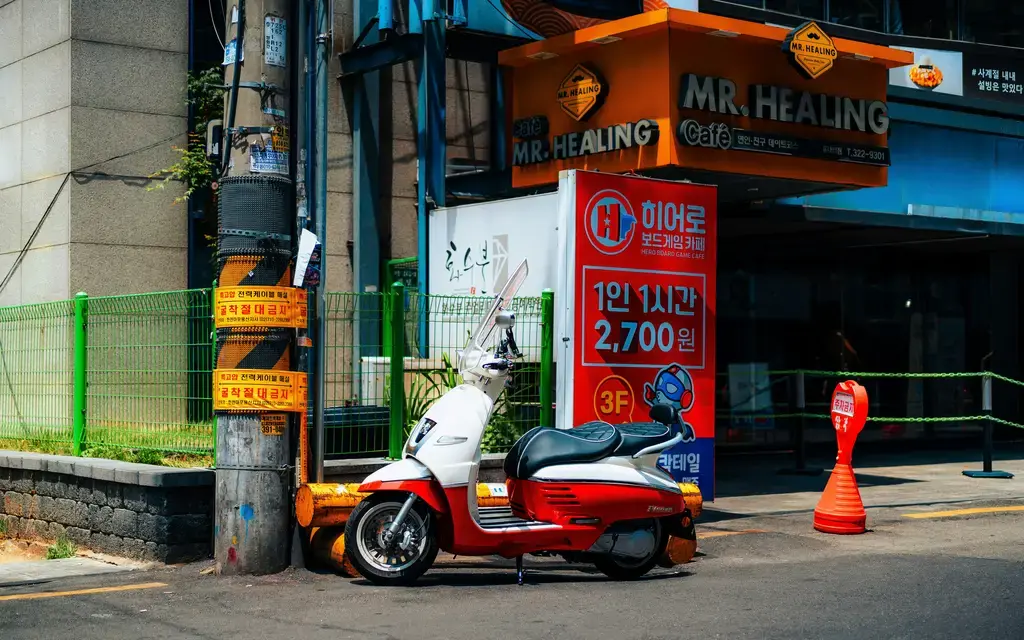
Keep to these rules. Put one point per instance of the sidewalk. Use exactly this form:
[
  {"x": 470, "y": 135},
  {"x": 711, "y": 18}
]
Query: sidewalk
[{"x": 751, "y": 485}]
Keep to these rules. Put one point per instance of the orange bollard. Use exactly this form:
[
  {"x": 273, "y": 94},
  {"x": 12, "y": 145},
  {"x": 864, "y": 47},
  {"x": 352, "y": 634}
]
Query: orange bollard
[{"x": 840, "y": 509}]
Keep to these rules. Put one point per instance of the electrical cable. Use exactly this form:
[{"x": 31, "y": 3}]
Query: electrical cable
[
  {"x": 213, "y": 23},
  {"x": 80, "y": 171},
  {"x": 10, "y": 386},
  {"x": 236, "y": 73}
]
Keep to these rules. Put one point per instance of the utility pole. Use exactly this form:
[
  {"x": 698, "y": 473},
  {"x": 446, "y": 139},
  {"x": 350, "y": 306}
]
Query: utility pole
[{"x": 257, "y": 392}]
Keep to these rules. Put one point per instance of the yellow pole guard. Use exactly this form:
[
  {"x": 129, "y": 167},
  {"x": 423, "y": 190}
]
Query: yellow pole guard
[
  {"x": 694, "y": 500},
  {"x": 328, "y": 547},
  {"x": 326, "y": 504}
]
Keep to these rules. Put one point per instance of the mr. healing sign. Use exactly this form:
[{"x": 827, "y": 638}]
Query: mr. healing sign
[{"x": 781, "y": 104}]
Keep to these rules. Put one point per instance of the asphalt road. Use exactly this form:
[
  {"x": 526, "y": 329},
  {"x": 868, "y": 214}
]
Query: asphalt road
[{"x": 934, "y": 578}]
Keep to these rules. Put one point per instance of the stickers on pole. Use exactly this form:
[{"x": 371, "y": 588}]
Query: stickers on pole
[
  {"x": 273, "y": 424},
  {"x": 274, "y": 34},
  {"x": 263, "y": 307},
  {"x": 259, "y": 390}
]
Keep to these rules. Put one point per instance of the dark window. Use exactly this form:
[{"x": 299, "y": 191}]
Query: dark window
[
  {"x": 806, "y": 8},
  {"x": 864, "y": 14},
  {"x": 924, "y": 18},
  {"x": 993, "y": 22}
]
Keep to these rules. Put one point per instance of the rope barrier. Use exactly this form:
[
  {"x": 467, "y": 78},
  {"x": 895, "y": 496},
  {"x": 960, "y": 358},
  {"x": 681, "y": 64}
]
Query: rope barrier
[{"x": 821, "y": 416}]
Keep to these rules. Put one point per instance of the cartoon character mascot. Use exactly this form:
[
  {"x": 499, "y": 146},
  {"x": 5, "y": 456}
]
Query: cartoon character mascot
[{"x": 673, "y": 386}]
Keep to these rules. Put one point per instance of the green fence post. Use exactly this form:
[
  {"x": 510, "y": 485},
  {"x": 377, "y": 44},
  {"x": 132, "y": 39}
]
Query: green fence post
[
  {"x": 213, "y": 366},
  {"x": 547, "y": 357},
  {"x": 396, "y": 434},
  {"x": 81, "y": 367}
]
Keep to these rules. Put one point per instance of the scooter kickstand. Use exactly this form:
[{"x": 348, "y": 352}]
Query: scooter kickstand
[{"x": 520, "y": 571}]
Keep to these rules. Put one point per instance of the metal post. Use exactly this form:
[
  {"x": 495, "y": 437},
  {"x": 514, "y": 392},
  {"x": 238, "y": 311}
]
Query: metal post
[
  {"x": 799, "y": 404},
  {"x": 396, "y": 433},
  {"x": 987, "y": 440},
  {"x": 253, "y": 484},
  {"x": 547, "y": 357},
  {"x": 81, "y": 372},
  {"x": 323, "y": 29}
]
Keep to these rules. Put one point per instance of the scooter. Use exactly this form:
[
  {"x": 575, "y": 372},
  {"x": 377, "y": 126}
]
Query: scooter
[{"x": 593, "y": 494}]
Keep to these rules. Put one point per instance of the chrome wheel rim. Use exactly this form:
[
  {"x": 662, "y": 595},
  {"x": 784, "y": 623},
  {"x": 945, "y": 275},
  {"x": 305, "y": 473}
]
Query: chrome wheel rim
[{"x": 408, "y": 546}]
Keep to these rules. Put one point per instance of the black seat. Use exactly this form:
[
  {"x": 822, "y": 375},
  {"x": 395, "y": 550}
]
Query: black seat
[
  {"x": 545, "y": 447},
  {"x": 637, "y": 436}
]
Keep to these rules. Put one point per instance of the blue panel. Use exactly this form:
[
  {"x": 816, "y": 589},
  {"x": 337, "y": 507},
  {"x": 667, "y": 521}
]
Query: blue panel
[
  {"x": 945, "y": 173},
  {"x": 692, "y": 462}
]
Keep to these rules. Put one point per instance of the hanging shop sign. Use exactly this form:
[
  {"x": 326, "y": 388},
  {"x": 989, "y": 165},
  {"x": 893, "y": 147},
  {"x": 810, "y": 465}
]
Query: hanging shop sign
[
  {"x": 811, "y": 50},
  {"x": 816, "y": 102},
  {"x": 639, "y": 267},
  {"x": 264, "y": 307},
  {"x": 259, "y": 390}
]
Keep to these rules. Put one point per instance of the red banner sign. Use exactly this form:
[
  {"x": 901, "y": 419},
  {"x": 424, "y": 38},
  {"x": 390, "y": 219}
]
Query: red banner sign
[{"x": 644, "y": 308}]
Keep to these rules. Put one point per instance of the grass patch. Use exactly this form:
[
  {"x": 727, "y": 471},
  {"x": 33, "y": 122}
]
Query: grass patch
[
  {"x": 62, "y": 548},
  {"x": 142, "y": 456}
]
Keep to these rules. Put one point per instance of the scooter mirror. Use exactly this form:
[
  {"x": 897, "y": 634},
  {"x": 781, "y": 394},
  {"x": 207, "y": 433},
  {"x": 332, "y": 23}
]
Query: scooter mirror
[
  {"x": 666, "y": 414},
  {"x": 506, "y": 320}
]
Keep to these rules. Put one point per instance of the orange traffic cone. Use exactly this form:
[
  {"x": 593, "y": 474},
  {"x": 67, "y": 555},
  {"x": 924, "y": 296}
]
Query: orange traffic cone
[{"x": 840, "y": 509}]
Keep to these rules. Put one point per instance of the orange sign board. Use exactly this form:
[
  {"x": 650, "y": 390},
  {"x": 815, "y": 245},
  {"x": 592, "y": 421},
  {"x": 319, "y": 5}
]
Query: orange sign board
[
  {"x": 671, "y": 93},
  {"x": 812, "y": 50},
  {"x": 270, "y": 307},
  {"x": 259, "y": 390}
]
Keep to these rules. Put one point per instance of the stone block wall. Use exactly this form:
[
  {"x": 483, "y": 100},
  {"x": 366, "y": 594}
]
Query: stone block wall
[{"x": 136, "y": 511}]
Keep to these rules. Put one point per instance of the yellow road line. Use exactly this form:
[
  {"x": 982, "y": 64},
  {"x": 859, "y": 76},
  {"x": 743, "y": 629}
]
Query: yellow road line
[
  {"x": 82, "y": 592},
  {"x": 963, "y": 512},
  {"x": 721, "y": 534}
]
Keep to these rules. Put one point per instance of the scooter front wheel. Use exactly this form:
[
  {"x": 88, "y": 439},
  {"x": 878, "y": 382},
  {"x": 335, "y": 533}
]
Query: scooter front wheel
[{"x": 383, "y": 560}]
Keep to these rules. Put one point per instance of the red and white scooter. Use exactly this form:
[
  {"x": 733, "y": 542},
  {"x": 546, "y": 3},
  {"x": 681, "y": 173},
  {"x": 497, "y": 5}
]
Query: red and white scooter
[{"x": 592, "y": 494}]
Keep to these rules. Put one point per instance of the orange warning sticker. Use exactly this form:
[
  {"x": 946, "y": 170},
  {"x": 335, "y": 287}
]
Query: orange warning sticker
[
  {"x": 271, "y": 307},
  {"x": 273, "y": 424},
  {"x": 259, "y": 390}
]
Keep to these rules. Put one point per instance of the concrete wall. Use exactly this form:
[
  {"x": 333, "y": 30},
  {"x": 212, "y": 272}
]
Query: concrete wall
[
  {"x": 131, "y": 510},
  {"x": 95, "y": 86}
]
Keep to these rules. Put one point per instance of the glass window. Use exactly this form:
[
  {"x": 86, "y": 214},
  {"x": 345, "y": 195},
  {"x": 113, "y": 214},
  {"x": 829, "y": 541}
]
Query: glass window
[
  {"x": 806, "y": 8},
  {"x": 863, "y": 14},
  {"x": 993, "y": 22},
  {"x": 924, "y": 18}
]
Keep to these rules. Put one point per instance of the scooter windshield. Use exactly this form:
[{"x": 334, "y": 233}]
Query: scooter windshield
[{"x": 480, "y": 341}]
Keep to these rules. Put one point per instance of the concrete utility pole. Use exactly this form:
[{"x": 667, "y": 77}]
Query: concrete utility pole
[{"x": 256, "y": 391}]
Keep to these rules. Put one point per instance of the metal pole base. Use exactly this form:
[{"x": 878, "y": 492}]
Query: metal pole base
[
  {"x": 804, "y": 471},
  {"x": 520, "y": 571},
  {"x": 1006, "y": 475}
]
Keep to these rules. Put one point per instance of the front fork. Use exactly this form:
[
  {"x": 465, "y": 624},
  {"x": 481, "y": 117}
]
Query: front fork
[{"x": 396, "y": 524}]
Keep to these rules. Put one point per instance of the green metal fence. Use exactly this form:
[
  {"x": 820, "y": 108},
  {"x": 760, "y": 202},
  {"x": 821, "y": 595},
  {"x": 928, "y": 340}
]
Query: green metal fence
[
  {"x": 36, "y": 375},
  {"x": 149, "y": 372},
  {"x": 390, "y": 364}
]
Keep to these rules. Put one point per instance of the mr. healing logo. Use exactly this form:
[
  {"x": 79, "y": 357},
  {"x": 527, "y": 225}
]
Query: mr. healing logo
[
  {"x": 609, "y": 221},
  {"x": 811, "y": 50},
  {"x": 581, "y": 93}
]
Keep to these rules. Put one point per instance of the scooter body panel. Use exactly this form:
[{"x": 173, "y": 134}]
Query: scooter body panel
[{"x": 642, "y": 472}]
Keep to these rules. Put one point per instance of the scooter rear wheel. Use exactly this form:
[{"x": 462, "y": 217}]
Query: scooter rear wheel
[
  {"x": 621, "y": 569},
  {"x": 401, "y": 561}
]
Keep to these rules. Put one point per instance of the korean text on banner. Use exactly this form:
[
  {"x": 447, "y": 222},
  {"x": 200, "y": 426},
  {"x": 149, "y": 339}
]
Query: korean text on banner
[
  {"x": 643, "y": 327},
  {"x": 259, "y": 390}
]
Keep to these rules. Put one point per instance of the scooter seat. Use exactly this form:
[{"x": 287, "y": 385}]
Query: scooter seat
[
  {"x": 637, "y": 436},
  {"x": 545, "y": 447}
]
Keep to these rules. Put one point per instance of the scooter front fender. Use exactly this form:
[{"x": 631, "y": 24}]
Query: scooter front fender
[{"x": 408, "y": 476}]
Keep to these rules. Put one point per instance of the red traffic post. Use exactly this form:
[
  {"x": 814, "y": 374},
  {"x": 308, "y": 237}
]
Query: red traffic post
[{"x": 840, "y": 509}]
